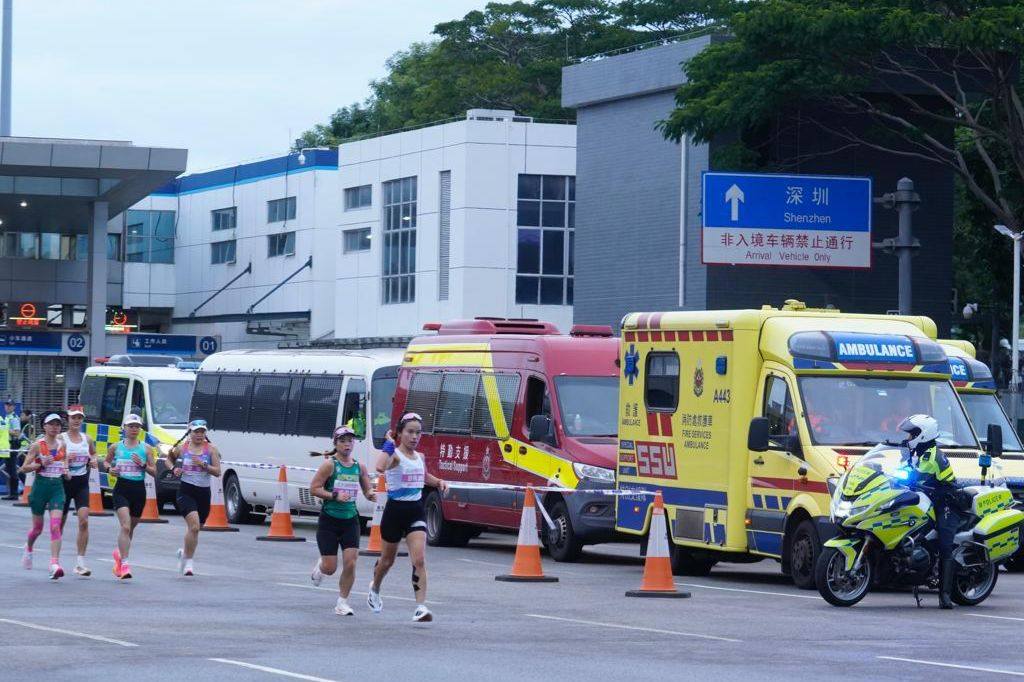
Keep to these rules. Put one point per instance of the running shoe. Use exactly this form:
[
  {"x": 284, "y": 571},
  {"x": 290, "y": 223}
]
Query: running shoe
[
  {"x": 81, "y": 570},
  {"x": 117, "y": 563},
  {"x": 181, "y": 561},
  {"x": 126, "y": 571},
  {"x": 342, "y": 608},
  {"x": 190, "y": 570},
  {"x": 26, "y": 560},
  {"x": 56, "y": 571},
  {"x": 422, "y": 614},
  {"x": 316, "y": 576},
  {"x": 373, "y": 599}
]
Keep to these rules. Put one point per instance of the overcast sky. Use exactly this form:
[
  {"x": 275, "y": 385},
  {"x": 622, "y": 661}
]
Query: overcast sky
[{"x": 230, "y": 80}]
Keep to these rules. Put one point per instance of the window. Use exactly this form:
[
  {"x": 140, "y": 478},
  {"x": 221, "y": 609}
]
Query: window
[
  {"x": 455, "y": 403},
  {"x": 358, "y": 197},
  {"x": 19, "y": 245},
  {"x": 281, "y": 244},
  {"x": 538, "y": 401},
  {"x": 422, "y": 397},
  {"x": 149, "y": 237},
  {"x": 204, "y": 397},
  {"x": 114, "y": 247},
  {"x": 224, "y": 218},
  {"x": 223, "y": 252},
  {"x": 170, "y": 401},
  {"x": 232, "y": 407},
  {"x": 49, "y": 246},
  {"x": 661, "y": 389},
  {"x": 138, "y": 405},
  {"x": 353, "y": 407},
  {"x": 269, "y": 395},
  {"x": 546, "y": 216},
  {"x": 507, "y": 386},
  {"x": 279, "y": 210},
  {"x": 778, "y": 408},
  {"x": 318, "y": 406},
  {"x": 91, "y": 397},
  {"x": 444, "y": 221},
  {"x": 399, "y": 267},
  {"x": 356, "y": 240},
  {"x": 112, "y": 403},
  {"x": 382, "y": 397}
]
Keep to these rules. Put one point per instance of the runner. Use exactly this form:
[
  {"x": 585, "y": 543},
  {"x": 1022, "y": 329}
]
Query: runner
[
  {"x": 194, "y": 462},
  {"x": 406, "y": 473},
  {"x": 80, "y": 455},
  {"x": 337, "y": 483},
  {"x": 46, "y": 459},
  {"x": 130, "y": 460}
]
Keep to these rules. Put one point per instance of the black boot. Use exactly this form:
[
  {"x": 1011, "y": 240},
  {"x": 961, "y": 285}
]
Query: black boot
[{"x": 946, "y": 574}]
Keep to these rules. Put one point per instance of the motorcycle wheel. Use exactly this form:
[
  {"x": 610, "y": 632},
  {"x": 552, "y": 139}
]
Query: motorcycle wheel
[
  {"x": 973, "y": 585},
  {"x": 836, "y": 585}
]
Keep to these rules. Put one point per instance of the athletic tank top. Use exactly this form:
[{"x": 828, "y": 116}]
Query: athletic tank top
[
  {"x": 405, "y": 481},
  {"x": 128, "y": 469},
  {"x": 56, "y": 468},
  {"x": 191, "y": 472},
  {"x": 345, "y": 479},
  {"x": 76, "y": 454}
]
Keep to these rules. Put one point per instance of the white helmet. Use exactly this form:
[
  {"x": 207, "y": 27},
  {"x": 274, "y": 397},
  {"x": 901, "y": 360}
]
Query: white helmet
[{"x": 921, "y": 429}]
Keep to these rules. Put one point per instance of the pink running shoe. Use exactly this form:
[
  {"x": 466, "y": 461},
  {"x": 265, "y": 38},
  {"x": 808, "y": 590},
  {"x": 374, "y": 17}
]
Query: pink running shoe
[{"x": 117, "y": 563}]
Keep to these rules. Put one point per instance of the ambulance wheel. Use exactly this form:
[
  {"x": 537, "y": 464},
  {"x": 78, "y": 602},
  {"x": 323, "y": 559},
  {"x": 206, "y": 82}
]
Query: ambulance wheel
[
  {"x": 237, "y": 508},
  {"x": 561, "y": 540},
  {"x": 804, "y": 549},
  {"x": 685, "y": 562},
  {"x": 442, "y": 533}
]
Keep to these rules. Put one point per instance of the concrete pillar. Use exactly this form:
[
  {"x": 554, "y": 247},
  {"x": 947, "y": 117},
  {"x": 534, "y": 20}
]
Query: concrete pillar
[{"x": 97, "y": 311}]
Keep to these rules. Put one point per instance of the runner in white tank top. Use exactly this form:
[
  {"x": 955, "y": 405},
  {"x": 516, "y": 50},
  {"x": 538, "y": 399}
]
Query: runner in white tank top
[{"x": 80, "y": 454}]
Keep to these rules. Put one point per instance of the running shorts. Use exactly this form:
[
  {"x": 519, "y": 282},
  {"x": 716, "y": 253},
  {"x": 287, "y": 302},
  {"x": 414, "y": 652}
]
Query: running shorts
[
  {"x": 332, "y": 532},
  {"x": 193, "y": 498},
  {"x": 400, "y": 518},
  {"x": 47, "y": 494},
  {"x": 131, "y": 494},
  {"x": 76, "y": 489}
]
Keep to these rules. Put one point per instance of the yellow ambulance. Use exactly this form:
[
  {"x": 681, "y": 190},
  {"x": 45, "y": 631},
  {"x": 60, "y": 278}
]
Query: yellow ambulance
[{"x": 744, "y": 418}]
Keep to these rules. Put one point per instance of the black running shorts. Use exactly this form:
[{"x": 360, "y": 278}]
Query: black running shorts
[
  {"x": 193, "y": 498},
  {"x": 131, "y": 494},
  {"x": 402, "y": 517},
  {"x": 76, "y": 488},
  {"x": 332, "y": 532}
]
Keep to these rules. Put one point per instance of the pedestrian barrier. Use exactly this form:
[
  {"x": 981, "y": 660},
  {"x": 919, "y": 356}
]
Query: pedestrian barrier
[
  {"x": 30, "y": 478},
  {"x": 526, "y": 567},
  {"x": 217, "y": 520},
  {"x": 657, "y": 580},
  {"x": 281, "y": 519},
  {"x": 96, "y": 495},
  {"x": 373, "y": 547},
  {"x": 151, "y": 512}
]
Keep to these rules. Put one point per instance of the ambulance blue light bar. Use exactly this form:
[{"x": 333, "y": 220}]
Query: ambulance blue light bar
[
  {"x": 965, "y": 371},
  {"x": 865, "y": 349}
]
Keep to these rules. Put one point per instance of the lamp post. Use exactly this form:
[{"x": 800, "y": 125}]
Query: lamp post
[{"x": 1015, "y": 323}]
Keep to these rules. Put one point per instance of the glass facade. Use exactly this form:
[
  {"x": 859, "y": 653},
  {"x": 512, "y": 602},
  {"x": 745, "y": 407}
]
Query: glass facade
[
  {"x": 149, "y": 237},
  {"x": 546, "y": 210},
  {"x": 398, "y": 284}
]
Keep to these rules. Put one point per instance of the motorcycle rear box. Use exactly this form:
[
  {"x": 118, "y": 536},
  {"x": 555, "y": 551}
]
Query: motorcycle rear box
[{"x": 1000, "y": 533}]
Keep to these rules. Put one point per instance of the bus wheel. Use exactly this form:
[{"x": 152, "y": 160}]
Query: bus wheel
[
  {"x": 237, "y": 508},
  {"x": 561, "y": 540},
  {"x": 804, "y": 549},
  {"x": 442, "y": 533}
]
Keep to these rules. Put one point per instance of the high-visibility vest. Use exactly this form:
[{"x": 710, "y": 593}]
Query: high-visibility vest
[{"x": 5, "y": 436}]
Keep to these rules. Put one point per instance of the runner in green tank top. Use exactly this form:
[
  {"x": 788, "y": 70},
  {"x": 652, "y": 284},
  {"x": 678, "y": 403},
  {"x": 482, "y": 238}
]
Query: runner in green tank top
[{"x": 337, "y": 483}]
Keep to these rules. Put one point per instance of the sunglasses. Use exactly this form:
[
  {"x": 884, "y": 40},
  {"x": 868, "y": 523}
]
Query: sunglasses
[{"x": 409, "y": 416}]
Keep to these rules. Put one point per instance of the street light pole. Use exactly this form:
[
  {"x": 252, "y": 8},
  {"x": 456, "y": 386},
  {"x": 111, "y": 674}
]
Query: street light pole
[
  {"x": 5, "y": 70},
  {"x": 1015, "y": 323}
]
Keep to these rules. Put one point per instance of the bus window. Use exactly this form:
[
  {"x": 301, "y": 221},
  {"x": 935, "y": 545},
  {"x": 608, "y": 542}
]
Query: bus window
[{"x": 353, "y": 408}]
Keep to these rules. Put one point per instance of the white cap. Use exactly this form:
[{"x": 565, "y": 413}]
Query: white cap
[
  {"x": 53, "y": 416},
  {"x": 133, "y": 419}
]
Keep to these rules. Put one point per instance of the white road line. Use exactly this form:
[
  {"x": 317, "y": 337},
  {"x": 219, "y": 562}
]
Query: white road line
[
  {"x": 482, "y": 563},
  {"x": 978, "y": 615},
  {"x": 274, "y": 671},
  {"x": 619, "y": 626},
  {"x": 953, "y": 665},
  {"x": 331, "y": 589},
  {"x": 737, "y": 589},
  {"x": 84, "y": 635},
  {"x": 150, "y": 567}
]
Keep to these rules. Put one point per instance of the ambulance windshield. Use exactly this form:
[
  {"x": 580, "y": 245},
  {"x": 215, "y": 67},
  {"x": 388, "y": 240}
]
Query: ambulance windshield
[
  {"x": 865, "y": 411},
  {"x": 984, "y": 409},
  {"x": 589, "y": 405}
]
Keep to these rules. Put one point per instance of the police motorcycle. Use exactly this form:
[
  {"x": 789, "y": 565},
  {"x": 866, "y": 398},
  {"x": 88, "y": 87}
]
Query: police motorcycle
[{"x": 887, "y": 533}]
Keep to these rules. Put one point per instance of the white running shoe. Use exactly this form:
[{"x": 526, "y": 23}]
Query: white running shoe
[
  {"x": 422, "y": 614},
  {"x": 373, "y": 599},
  {"x": 56, "y": 571},
  {"x": 82, "y": 570},
  {"x": 181, "y": 561},
  {"x": 26, "y": 560},
  {"x": 190, "y": 569},
  {"x": 316, "y": 576},
  {"x": 342, "y": 608}
]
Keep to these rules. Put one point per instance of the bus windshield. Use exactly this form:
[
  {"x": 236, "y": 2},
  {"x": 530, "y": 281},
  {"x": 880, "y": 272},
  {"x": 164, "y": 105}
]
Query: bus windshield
[
  {"x": 984, "y": 409},
  {"x": 589, "y": 405},
  {"x": 865, "y": 411},
  {"x": 169, "y": 401}
]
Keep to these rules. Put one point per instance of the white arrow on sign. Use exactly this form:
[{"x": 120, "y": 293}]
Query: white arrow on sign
[{"x": 734, "y": 195}]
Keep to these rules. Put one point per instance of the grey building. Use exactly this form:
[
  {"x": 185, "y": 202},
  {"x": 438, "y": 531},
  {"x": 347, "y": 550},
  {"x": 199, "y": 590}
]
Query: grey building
[{"x": 638, "y": 219}]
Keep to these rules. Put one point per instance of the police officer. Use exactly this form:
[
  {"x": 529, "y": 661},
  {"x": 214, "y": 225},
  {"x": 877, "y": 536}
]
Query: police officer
[
  {"x": 935, "y": 477},
  {"x": 10, "y": 440}
]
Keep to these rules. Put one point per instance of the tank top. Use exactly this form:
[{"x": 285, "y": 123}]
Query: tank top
[
  {"x": 76, "y": 454},
  {"x": 127, "y": 469},
  {"x": 56, "y": 468},
  {"x": 191, "y": 472},
  {"x": 405, "y": 481},
  {"x": 345, "y": 479}
]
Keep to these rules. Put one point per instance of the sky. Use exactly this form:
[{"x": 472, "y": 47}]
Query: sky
[{"x": 229, "y": 80}]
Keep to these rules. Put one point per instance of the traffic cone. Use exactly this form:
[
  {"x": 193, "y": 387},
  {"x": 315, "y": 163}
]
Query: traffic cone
[
  {"x": 281, "y": 519},
  {"x": 151, "y": 513},
  {"x": 30, "y": 478},
  {"x": 218, "y": 517},
  {"x": 526, "y": 567},
  {"x": 373, "y": 547},
  {"x": 657, "y": 580},
  {"x": 96, "y": 495}
]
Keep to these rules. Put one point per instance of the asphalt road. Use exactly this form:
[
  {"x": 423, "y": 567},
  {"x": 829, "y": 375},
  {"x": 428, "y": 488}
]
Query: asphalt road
[{"x": 251, "y": 613}]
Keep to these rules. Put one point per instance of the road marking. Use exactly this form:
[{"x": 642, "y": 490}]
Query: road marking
[
  {"x": 483, "y": 563},
  {"x": 737, "y": 589},
  {"x": 149, "y": 567},
  {"x": 978, "y": 615},
  {"x": 953, "y": 665},
  {"x": 275, "y": 671},
  {"x": 84, "y": 635},
  {"x": 331, "y": 589},
  {"x": 619, "y": 626}
]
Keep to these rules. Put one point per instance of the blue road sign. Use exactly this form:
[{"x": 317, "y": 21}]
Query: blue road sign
[
  {"x": 162, "y": 344},
  {"x": 208, "y": 345},
  {"x": 76, "y": 343},
  {"x": 794, "y": 220}
]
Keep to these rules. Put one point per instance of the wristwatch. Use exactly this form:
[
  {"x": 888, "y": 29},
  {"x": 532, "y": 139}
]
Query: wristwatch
[{"x": 334, "y": 495}]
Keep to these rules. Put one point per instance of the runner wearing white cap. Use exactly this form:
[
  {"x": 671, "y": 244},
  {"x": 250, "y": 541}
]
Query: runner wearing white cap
[
  {"x": 130, "y": 460},
  {"x": 337, "y": 483},
  {"x": 80, "y": 455},
  {"x": 47, "y": 460},
  {"x": 195, "y": 461}
]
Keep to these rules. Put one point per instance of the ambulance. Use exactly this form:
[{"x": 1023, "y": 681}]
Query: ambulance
[
  {"x": 744, "y": 419},
  {"x": 508, "y": 403}
]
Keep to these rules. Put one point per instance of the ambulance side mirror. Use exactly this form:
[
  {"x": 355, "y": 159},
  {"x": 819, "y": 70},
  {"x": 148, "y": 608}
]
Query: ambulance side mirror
[
  {"x": 994, "y": 446},
  {"x": 540, "y": 428},
  {"x": 757, "y": 437}
]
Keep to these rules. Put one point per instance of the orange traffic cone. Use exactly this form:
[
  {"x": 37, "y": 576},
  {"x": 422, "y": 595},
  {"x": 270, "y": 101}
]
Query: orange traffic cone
[
  {"x": 657, "y": 580},
  {"x": 373, "y": 547},
  {"x": 96, "y": 495},
  {"x": 30, "y": 478},
  {"x": 151, "y": 513},
  {"x": 218, "y": 518},
  {"x": 281, "y": 519},
  {"x": 526, "y": 567}
]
